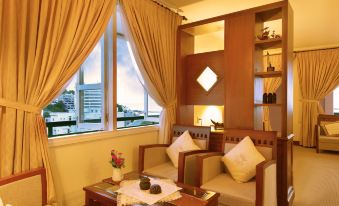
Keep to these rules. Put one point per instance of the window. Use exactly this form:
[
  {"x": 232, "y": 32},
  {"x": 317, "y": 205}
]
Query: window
[
  {"x": 135, "y": 106},
  {"x": 336, "y": 101},
  {"x": 84, "y": 105}
]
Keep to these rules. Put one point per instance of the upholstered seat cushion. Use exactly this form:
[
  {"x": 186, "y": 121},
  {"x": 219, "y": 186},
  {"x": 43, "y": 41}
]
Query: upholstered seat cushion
[
  {"x": 329, "y": 139},
  {"x": 165, "y": 170},
  {"x": 231, "y": 192}
]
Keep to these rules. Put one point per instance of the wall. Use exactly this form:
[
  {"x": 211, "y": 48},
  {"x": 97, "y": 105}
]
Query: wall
[
  {"x": 203, "y": 43},
  {"x": 203, "y": 114},
  {"x": 83, "y": 160}
]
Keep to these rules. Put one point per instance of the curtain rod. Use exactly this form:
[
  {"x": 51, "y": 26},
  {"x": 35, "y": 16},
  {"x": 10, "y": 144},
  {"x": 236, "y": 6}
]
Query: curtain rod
[{"x": 168, "y": 8}]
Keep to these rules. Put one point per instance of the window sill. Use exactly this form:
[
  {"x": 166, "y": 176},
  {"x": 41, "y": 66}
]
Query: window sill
[{"x": 95, "y": 136}]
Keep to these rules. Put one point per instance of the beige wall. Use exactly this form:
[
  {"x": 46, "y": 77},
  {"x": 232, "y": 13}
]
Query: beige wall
[
  {"x": 83, "y": 161},
  {"x": 203, "y": 43}
]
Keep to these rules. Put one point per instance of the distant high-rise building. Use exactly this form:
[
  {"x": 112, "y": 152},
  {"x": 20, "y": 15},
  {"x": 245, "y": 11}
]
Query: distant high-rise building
[
  {"x": 68, "y": 100},
  {"x": 92, "y": 103}
]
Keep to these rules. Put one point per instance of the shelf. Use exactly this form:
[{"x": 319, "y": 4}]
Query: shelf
[
  {"x": 269, "y": 43},
  {"x": 267, "y": 105},
  {"x": 268, "y": 74}
]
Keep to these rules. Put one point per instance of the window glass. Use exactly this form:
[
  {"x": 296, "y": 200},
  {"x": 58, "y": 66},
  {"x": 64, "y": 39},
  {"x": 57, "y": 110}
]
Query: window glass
[
  {"x": 153, "y": 108},
  {"x": 130, "y": 92},
  {"x": 93, "y": 65}
]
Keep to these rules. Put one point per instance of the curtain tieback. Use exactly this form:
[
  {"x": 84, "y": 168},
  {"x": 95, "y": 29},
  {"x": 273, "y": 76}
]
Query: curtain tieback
[
  {"x": 171, "y": 104},
  {"x": 310, "y": 100},
  {"x": 20, "y": 106}
]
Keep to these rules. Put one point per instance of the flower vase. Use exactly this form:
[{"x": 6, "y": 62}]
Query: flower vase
[{"x": 117, "y": 174}]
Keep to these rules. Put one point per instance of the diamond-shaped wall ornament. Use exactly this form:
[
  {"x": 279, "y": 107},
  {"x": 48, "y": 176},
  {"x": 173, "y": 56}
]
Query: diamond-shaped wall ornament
[{"x": 207, "y": 79}]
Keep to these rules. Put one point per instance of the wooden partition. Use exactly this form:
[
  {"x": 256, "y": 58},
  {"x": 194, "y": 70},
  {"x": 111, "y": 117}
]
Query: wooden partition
[{"x": 243, "y": 77}]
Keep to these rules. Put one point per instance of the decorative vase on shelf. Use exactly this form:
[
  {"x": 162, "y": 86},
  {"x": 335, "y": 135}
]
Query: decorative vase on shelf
[
  {"x": 270, "y": 98},
  {"x": 117, "y": 174},
  {"x": 264, "y": 98}
]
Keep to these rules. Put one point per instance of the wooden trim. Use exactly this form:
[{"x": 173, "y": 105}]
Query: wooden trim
[
  {"x": 259, "y": 178},
  {"x": 259, "y": 138},
  {"x": 27, "y": 174},
  {"x": 200, "y": 165},
  {"x": 196, "y": 132},
  {"x": 142, "y": 149},
  {"x": 182, "y": 161}
]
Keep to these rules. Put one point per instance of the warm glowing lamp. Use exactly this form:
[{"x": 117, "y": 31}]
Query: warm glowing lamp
[{"x": 207, "y": 79}]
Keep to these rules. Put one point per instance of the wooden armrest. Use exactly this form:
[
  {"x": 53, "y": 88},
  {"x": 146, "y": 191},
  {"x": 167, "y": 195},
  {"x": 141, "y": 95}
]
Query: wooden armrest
[
  {"x": 186, "y": 162},
  {"x": 142, "y": 150},
  {"x": 210, "y": 161},
  {"x": 265, "y": 176}
]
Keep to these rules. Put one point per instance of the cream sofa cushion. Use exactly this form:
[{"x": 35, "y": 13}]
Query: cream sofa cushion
[
  {"x": 242, "y": 160},
  {"x": 165, "y": 170},
  {"x": 183, "y": 143},
  {"x": 231, "y": 192},
  {"x": 332, "y": 129}
]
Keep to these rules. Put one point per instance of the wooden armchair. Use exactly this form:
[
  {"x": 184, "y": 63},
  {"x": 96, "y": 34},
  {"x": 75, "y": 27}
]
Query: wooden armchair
[
  {"x": 323, "y": 140},
  {"x": 25, "y": 189},
  {"x": 260, "y": 191},
  {"x": 153, "y": 159}
]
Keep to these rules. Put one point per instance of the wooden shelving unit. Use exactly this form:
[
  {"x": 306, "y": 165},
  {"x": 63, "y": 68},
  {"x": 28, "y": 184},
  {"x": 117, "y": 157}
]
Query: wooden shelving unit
[
  {"x": 280, "y": 114},
  {"x": 268, "y": 74},
  {"x": 266, "y": 105},
  {"x": 269, "y": 43}
]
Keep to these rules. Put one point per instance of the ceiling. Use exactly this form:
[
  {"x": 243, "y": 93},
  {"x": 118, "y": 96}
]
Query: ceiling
[{"x": 316, "y": 22}]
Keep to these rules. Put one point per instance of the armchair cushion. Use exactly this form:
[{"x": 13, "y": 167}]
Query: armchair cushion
[
  {"x": 332, "y": 129},
  {"x": 165, "y": 170},
  {"x": 231, "y": 192},
  {"x": 181, "y": 144},
  {"x": 242, "y": 160}
]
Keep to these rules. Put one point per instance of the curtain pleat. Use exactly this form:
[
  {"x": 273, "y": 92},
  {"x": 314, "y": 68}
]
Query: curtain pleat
[
  {"x": 151, "y": 30},
  {"x": 318, "y": 76},
  {"x": 43, "y": 43}
]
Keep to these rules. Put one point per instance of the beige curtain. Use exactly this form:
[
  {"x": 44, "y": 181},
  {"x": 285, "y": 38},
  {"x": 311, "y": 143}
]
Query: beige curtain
[
  {"x": 43, "y": 43},
  {"x": 152, "y": 32},
  {"x": 318, "y": 75},
  {"x": 271, "y": 85}
]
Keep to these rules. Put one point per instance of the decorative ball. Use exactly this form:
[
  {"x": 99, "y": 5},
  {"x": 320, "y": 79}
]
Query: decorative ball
[
  {"x": 144, "y": 185},
  {"x": 144, "y": 179},
  {"x": 155, "y": 189}
]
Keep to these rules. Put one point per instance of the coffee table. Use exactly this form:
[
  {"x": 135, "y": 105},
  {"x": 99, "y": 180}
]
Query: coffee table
[{"x": 103, "y": 194}]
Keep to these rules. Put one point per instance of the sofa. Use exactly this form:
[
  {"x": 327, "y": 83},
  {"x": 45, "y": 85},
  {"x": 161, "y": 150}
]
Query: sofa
[
  {"x": 327, "y": 135},
  {"x": 25, "y": 189},
  {"x": 260, "y": 191}
]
